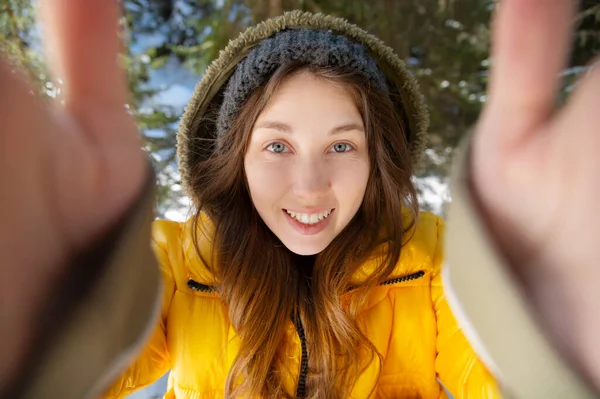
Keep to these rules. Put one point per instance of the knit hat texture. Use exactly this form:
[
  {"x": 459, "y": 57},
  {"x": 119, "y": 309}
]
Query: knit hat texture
[
  {"x": 311, "y": 47},
  {"x": 248, "y": 62}
]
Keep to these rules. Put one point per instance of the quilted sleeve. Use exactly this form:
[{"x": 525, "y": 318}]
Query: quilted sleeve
[
  {"x": 154, "y": 361},
  {"x": 457, "y": 365}
]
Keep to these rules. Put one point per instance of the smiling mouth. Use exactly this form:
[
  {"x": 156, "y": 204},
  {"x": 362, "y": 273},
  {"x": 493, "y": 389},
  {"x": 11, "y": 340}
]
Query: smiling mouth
[{"x": 309, "y": 218}]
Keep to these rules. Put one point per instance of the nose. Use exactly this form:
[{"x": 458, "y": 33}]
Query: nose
[{"x": 311, "y": 179}]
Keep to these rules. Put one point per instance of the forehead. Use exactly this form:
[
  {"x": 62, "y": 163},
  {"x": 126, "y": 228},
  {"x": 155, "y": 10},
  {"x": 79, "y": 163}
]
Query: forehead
[{"x": 304, "y": 96}]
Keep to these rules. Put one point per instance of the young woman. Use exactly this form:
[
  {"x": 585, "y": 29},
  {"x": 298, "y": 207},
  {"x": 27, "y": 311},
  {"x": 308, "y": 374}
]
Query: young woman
[{"x": 307, "y": 270}]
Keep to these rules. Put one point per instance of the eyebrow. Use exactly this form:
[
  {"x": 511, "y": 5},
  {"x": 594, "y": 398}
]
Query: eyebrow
[{"x": 285, "y": 128}]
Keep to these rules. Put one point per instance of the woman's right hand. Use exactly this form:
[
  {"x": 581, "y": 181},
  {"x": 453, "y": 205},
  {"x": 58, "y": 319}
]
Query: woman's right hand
[{"x": 68, "y": 168}]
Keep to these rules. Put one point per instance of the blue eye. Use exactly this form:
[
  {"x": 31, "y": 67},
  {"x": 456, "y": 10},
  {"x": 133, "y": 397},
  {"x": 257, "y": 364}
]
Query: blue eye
[
  {"x": 342, "y": 147},
  {"x": 276, "y": 147}
]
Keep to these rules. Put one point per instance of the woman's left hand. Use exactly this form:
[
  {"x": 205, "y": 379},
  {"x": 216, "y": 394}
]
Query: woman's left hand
[{"x": 536, "y": 172}]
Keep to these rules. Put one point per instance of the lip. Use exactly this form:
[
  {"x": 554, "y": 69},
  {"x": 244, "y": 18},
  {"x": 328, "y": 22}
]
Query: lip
[
  {"x": 309, "y": 210},
  {"x": 312, "y": 229}
]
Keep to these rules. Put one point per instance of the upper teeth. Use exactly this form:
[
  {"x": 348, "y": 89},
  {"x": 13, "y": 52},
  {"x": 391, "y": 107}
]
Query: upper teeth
[{"x": 309, "y": 218}]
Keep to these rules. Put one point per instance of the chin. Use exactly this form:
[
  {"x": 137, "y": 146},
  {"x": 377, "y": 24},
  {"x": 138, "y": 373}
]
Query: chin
[{"x": 306, "y": 249}]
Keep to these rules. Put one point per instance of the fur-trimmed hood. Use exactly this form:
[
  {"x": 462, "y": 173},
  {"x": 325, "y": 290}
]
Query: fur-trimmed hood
[{"x": 196, "y": 128}]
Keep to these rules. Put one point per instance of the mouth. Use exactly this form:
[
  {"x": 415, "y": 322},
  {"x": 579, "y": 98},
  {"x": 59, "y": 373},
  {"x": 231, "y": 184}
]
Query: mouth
[{"x": 309, "y": 219}]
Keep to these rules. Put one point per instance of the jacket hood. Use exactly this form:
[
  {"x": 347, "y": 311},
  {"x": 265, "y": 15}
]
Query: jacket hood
[{"x": 195, "y": 128}]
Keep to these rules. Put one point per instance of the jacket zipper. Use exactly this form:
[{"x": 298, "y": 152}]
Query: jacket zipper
[
  {"x": 408, "y": 277},
  {"x": 196, "y": 286},
  {"x": 301, "y": 388},
  {"x": 403, "y": 279}
]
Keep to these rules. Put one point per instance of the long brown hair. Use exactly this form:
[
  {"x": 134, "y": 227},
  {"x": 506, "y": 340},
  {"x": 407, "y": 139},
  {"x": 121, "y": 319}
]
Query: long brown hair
[{"x": 257, "y": 278}]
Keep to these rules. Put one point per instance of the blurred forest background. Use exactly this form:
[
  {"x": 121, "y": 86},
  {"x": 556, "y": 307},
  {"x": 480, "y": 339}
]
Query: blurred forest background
[
  {"x": 445, "y": 43},
  {"x": 169, "y": 43}
]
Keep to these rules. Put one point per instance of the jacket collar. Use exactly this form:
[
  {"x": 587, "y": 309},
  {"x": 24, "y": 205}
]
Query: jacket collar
[{"x": 415, "y": 256}]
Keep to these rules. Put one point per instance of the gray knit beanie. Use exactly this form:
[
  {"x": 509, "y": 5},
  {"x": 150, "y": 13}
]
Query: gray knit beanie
[
  {"x": 249, "y": 60},
  {"x": 310, "y": 47}
]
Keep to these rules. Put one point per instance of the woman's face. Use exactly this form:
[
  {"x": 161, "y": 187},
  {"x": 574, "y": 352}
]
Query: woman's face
[{"x": 307, "y": 163}]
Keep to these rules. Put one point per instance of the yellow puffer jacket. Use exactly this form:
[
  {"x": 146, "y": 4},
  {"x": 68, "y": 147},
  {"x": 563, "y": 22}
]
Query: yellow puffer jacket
[{"x": 407, "y": 319}]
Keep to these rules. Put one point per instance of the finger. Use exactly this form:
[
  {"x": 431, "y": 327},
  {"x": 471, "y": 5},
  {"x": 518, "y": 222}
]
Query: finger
[
  {"x": 25, "y": 129},
  {"x": 580, "y": 118},
  {"x": 531, "y": 40},
  {"x": 25, "y": 211},
  {"x": 83, "y": 45}
]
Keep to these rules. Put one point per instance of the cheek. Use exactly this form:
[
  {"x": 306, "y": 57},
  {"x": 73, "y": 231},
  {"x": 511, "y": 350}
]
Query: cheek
[
  {"x": 266, "y": 181},
  {"x": 349, "y": 181}
]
